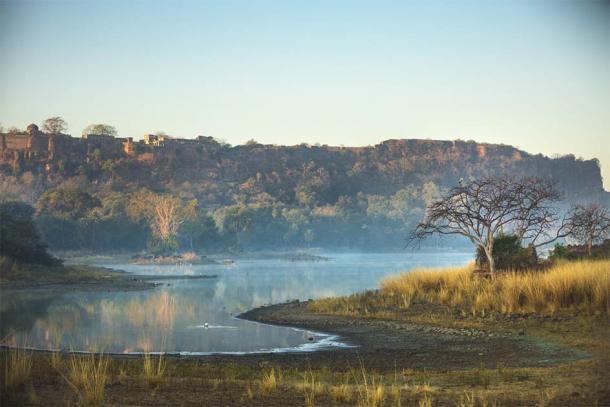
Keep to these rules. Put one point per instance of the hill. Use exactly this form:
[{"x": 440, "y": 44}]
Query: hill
[{"x": 254, "y": 195}]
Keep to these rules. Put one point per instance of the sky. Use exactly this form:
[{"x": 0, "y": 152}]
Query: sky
[{"x": 534, "y": 74}]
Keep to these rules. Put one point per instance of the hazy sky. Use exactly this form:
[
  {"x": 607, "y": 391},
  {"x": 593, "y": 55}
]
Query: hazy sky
[{"x": 535, "y": 74}]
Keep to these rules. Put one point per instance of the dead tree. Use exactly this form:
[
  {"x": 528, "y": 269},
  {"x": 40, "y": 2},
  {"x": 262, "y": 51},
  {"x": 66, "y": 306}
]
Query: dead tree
[
  {"x": 589, "y": 224},
  {"x": 482, "y": 209}
]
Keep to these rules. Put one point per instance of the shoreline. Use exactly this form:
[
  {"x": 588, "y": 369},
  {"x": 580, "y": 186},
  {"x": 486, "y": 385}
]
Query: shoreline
[
  {"x": 101, "y": 279},
  {"x": 419, "y": 345},
  {"x": 377, "y": 342},
  {"x": 425, "y": 360}
]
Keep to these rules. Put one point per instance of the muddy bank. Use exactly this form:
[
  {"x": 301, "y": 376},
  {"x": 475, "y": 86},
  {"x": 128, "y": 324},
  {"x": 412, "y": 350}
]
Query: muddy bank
[{"x": 383, "y": 344}]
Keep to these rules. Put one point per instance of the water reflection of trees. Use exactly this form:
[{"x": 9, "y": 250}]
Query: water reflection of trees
[{"x": 20, "y": 310}]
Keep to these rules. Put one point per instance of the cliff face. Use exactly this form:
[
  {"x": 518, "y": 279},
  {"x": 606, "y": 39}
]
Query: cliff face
[{"x": 216, "y": 173}]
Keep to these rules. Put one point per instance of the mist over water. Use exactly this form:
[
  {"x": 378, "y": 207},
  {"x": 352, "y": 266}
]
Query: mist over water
[{"x": 198, "y": 316}]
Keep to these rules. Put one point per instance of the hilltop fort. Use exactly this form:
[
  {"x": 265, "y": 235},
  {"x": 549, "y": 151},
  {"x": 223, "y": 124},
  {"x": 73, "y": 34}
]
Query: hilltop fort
[{"x": 161, "y": 161}]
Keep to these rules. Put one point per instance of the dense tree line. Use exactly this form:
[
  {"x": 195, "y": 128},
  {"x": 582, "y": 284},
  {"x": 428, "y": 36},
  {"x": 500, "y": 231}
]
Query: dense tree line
[{"x": 72, "y": 218}]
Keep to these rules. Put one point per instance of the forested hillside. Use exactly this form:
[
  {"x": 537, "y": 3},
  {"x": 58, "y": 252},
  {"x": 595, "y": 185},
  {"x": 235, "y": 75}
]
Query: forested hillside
[{"x": 253, "y": 196}]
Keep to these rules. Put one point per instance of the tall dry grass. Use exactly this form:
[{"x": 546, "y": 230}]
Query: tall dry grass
[
  {"x": 370, "y": 388},
  {"x": 581, "y": 286},
  {"x": 153, "y": 370},
  {"x": 17, "y": 369},
  {"x": 269, "y": 382},
  {"x": 87, "y": 377}
]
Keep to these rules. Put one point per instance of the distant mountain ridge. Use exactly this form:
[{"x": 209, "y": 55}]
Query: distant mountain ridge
[{"x": 161, "y": 161}]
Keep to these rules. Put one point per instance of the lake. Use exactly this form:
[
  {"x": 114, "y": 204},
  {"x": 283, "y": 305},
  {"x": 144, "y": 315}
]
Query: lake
[{"x": 199, "y": 316}]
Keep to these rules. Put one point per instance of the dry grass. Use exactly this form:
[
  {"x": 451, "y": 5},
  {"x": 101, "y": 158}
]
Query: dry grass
[
  {"x": 370, "y": 389},
  {"x": 269, "y": 381},
  {"x": 581, "y": 286},
  {"x": 341, "y": 393},
  {"x": 87, "y": 377},
  {"x": 425, "y": 401},
  {"x": 17, "y": 369},
  {"x": 153, "y": 370},
  {"x": 309, "y": 388},
  {"x": 55, "y": 360}
]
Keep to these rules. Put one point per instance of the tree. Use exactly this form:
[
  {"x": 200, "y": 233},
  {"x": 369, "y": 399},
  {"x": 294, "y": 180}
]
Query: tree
[
  {"x": 19, "y": 239},
  {"x": 589, "y": 224},
  {"x": 164, "y": 213},
  {"x": 100, "y": 129},
  {"x": 482, "y": 209},
  {"x": 199, "y": 231},
  {"x": 54, "y": 125},
  {"x": 66, "y": 203}
]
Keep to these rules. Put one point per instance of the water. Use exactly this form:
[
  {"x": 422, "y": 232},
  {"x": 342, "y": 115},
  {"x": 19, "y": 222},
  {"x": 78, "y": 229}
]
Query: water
[{"x": 173, "y": 317}]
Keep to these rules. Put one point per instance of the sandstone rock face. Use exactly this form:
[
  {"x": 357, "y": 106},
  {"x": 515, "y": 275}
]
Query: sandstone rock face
[{"x": 277, "y": 170}]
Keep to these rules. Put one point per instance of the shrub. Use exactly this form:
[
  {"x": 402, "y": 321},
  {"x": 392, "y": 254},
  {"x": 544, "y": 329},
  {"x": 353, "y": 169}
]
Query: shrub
[
  {"x": 509, "y": 254},
  {"x": 559, "y": 252},
  {"x": 19, "y": 238}
]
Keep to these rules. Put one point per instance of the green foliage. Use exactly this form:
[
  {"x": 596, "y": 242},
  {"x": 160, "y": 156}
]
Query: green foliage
[
  {"x": 100, "y": 129},
  {"x": 509, "y": 254},
  {"x": 559, "y": 252},
  {"x": 70, "y": 218},
  {"x": 66, "y": 203},
  {"x": 19, "y": 238},
  {"x": 199, "y": 232},
  {"x": 159, "y": 246},
  {"x": 581, "y": 252}
]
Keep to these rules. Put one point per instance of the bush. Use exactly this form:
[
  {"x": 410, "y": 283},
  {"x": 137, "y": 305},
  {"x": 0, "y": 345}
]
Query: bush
[
  {"x": 19, "y": 239},
  {"x": 559, "y": 252},
  {"x": 509, "y": 254}
]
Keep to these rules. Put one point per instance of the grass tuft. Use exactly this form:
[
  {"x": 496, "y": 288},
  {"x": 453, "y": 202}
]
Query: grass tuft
[
  {"x": 153, "y": 370},
  {"x": 87, "y": 377},
  {"x": 309, "y": 388},
  {"x": 269, "y": 381}
]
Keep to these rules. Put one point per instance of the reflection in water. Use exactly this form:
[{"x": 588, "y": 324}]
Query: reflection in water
[
  {"x": 20, "y": 310},
  {"x": 195, "y": 315}
]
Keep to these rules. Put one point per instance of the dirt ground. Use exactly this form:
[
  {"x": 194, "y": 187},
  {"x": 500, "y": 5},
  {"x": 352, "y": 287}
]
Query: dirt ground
[{"x": 384, "y": 342}]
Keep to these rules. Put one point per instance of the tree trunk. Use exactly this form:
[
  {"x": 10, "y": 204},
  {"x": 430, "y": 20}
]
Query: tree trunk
[
  {"x": 590, "y": 246},
  {"x": 490, "y": 260}
]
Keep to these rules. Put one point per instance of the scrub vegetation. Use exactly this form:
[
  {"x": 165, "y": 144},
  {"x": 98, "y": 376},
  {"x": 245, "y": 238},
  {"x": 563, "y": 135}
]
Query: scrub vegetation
[{"x": 572, "y": 287}]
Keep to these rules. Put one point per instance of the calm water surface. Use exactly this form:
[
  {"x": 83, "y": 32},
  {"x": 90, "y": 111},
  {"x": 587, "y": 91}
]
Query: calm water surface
[{"x": 173, "y": 317}]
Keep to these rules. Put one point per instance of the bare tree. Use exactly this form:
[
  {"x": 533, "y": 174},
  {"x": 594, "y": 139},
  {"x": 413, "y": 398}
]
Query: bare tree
[
  {"x": 100, "y": 129},
  {"x": 164, "y": 214},
  {"x": 54, "y": 125},
  {"x": 589, "y": 224},
  {"x": 481, "y": 209}
]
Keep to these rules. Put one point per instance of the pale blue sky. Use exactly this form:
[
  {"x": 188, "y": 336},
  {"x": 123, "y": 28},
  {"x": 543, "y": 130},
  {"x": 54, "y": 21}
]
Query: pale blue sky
[{"x": 535, "y": 74}]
